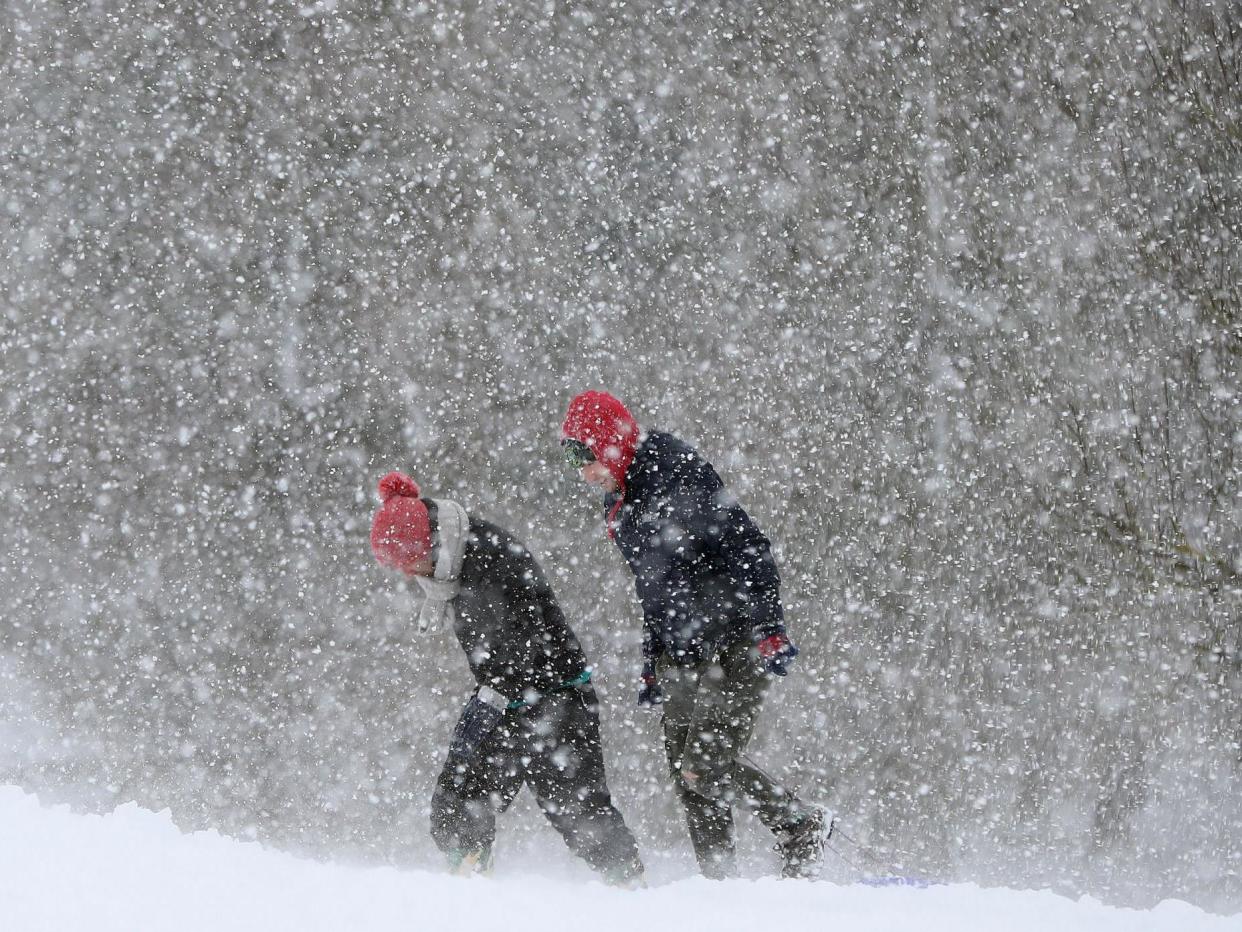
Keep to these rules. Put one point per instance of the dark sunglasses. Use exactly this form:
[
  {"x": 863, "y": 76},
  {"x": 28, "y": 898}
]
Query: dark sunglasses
[{"x": 577, "y": 453}]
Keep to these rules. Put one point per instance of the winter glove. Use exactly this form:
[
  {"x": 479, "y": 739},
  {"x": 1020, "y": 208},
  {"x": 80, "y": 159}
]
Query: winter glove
[
  {"x": 649, "y": 693},
  {"x": 776, "y": 651},
  {"x": 478, "y": 720}
]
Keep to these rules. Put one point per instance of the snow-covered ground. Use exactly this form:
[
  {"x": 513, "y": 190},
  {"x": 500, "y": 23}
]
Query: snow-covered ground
[{"x": 134, "y": 871}]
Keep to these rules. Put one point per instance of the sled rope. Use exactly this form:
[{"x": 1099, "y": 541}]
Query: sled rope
[{"x": 863, "y": 850}]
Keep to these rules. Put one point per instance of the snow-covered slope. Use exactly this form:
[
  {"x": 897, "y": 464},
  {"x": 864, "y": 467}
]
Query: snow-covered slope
[{"x": 133, "y": 871}]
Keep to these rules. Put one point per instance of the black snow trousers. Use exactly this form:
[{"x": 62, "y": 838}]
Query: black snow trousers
[
  {"x": 710, "y": 711},
  {"x": 554, "y": 747}
]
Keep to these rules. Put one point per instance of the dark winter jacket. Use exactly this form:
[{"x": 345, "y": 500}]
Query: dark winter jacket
[
  {"x": 508, "y": 622},
  {"x": 703, "y": 570}
]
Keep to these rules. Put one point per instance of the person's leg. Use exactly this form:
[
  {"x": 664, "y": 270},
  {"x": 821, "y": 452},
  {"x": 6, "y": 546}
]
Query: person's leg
[
  {"x": 566, "y": 773},
  {"x": 730, "y": 697},
  {"x": 469, "y": 792},
  {"x": 710, "y": 821}
]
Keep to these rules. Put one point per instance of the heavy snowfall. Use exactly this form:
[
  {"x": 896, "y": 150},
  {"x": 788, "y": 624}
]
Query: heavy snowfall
[{"x": 950, "y": 294}]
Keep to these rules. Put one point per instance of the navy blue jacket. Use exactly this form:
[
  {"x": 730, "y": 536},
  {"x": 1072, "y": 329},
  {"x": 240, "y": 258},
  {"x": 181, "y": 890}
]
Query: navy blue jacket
[{"x": 703, "y": 570}]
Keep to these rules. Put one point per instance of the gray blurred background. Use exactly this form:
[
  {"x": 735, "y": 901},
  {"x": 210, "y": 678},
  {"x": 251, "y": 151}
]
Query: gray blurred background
[{"x": 950, "y": 294}]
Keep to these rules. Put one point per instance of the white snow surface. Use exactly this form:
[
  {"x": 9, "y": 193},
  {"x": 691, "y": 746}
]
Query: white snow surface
[{"x": 134, "y": 870}]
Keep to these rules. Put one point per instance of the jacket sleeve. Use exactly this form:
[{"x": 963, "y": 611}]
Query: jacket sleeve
[
  {"x": 653, "y": 646},
  {"x": 677, "y": 533},
  {"x": 660, "y": 576}
]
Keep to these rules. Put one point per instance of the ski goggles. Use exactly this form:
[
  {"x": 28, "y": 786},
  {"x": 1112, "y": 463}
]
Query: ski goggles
[{"x": 577, "y": 453}]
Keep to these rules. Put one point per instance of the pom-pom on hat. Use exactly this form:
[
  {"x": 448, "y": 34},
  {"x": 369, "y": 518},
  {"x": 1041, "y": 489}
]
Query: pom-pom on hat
[
  {"x": 401, "y": 528},
  {"x": 605, "y": 425}
]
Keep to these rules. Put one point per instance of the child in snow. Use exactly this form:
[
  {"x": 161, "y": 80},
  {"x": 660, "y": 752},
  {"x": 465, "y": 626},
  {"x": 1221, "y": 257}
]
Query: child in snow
[
  {"x": 532, "y": 718},
  {"x": 713, "y": 630}
]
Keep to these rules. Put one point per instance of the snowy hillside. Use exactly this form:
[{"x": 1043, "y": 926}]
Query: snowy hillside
[
  {"x": 948, "y": 294},
  {"x": 134, "y": 871}
]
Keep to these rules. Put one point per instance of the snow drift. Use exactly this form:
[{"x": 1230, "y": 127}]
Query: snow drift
[{"x": 134, "y": 870}]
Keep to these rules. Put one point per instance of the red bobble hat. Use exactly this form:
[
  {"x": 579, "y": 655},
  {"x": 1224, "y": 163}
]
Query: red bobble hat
[
  {"x": 401, "y": 528},
  {"x": 605, "y": 425}
]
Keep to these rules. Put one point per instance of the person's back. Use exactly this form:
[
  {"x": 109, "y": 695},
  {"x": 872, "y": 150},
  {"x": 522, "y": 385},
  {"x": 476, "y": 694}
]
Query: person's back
[{"x": 509, "y": 625}]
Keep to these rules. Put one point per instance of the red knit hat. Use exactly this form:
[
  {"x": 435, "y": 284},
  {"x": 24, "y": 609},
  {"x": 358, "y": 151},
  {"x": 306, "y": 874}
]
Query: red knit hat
[
  {"x": 605, "y": 425},
  {"x": 401, "y": 528}
]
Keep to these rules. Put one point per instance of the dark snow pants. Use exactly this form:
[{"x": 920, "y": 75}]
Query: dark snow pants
[
  {"x": 709, "y": 713},
  {"x": 553, "y": 747}
]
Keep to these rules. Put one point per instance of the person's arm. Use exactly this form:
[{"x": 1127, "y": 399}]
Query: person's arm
[
  {"x": 649, "y": 692},
  {"x": 661, "y": 569},
  {"x": 660, "y": 574}
]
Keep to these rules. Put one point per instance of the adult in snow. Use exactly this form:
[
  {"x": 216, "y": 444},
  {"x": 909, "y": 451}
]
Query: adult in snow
[
  {"x": 713, "y": 629},
  {"x": 533, "y": 716}
]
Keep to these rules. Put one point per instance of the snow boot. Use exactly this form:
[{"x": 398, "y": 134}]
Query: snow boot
[
  {"x": 801, "y": 844},
  {"x": 635, "y": 882},
  {"x": 468, "y": 863}
]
